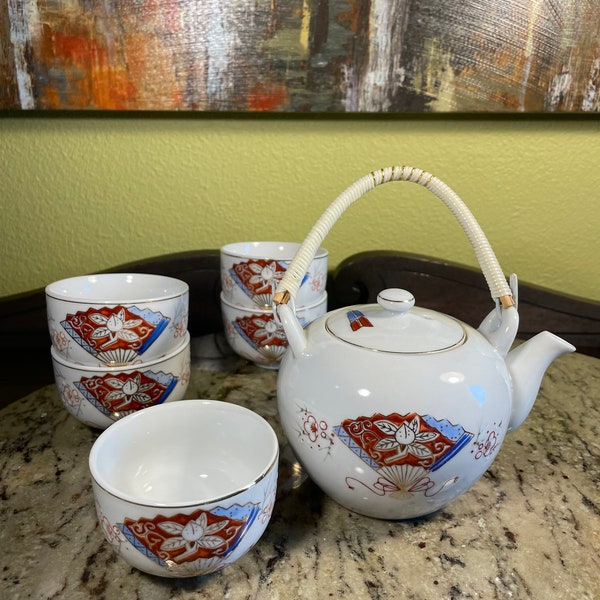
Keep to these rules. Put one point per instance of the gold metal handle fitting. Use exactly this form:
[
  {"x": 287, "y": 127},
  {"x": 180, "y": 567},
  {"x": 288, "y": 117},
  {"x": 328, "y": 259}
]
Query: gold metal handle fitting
[
  {"x": 281, "y": 297},
  {"x": 507, "y": 301}
]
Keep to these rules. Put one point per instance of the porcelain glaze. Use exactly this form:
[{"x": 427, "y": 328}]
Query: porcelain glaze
[
  {"x": 250, "y": 272},
  {"x": 395, "y": 412},
  {"x": 186, "y": 488},
  {"x": 116, "y": 318},
  {"x": 254, "y": 334},
  {"x": 99, "y": 396}
]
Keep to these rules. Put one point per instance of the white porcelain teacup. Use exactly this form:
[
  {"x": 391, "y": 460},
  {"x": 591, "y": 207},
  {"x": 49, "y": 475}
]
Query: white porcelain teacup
[
  {"x": 251, "y": 271},
  {"x": 99, "y": 396},
  {"x": 116, "y": 318},
  {"x": 254, "y": 334},
  {"x": 185, "y": 488}
]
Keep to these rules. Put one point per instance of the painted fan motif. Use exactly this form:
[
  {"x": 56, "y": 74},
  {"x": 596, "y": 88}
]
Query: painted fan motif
[
  {"x": 403, "y": 449},
  {"x": 115, "y": 334},
  {"x": 258, "y": 279},
  {"x": 357, "y": 320},
  {"x": 126, "y": 392},
  {"x": 263, "y": 334},
  {"x": 202, "y": 537}
]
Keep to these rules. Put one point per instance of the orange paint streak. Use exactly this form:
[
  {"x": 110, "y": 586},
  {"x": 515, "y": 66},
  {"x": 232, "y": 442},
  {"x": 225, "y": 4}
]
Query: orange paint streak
[
  {"x": 76, "y": 49},
  {"x": 81, "y": 75},
  {"x": 350, "y": 17},
  {"x": 268, "y": 96},
  {"x": 112, "y": 89}
]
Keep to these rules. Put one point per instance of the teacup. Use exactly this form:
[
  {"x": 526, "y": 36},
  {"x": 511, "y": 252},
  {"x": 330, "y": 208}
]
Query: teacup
[
  {"x": 99, "y": 396},
  {"x": 185, "y": 488},
  {"x": 116, "y": 318},
  {"x": 251, "y": 271},
  {"x": 253, "y": 333}
]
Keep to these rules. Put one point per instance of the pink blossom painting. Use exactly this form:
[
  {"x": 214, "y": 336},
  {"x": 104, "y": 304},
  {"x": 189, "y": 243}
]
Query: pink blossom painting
[{"x": 301, "y": 56}]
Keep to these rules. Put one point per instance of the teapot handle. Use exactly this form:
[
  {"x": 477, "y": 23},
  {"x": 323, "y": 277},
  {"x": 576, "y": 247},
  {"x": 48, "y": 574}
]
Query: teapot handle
[{"x": 496, "y": 281}]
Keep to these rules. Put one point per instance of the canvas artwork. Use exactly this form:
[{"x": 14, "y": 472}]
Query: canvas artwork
[{"x": 301, "y": 56}]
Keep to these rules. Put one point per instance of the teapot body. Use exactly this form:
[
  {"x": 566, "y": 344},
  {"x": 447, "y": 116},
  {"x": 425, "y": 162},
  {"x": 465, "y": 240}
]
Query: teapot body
[
  {"x": 394, "y": 435},
  {"x": 395, "y": 410}
]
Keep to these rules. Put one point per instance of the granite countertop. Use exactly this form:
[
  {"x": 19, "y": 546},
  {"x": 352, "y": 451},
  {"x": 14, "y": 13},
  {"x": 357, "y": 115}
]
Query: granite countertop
[{"x": 529, "y": 528}]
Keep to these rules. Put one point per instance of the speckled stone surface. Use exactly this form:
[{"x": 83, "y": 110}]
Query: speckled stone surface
[{"x": 530, "y": 528}]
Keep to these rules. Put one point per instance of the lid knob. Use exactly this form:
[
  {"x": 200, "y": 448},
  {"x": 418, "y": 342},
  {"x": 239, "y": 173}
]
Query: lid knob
[{"x": 396, "y": 300}]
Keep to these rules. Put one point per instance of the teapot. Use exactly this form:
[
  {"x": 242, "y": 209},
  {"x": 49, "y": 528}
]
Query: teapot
[{"x": 395, "y": 410}]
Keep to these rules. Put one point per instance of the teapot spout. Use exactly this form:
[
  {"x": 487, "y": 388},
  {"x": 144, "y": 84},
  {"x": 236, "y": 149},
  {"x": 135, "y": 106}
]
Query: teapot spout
[
  {"x": 296, "y": 336},
  {"x": 527, "y": 364}
]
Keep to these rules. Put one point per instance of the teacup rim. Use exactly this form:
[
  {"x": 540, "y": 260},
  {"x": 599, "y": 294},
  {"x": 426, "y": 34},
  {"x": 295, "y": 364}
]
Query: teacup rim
[
  {"x": 52, "y": 289},
  {"x": 267, "y": 310},
  {"x": 170, "y": 406},
  {"x": 230, "y": 249}
]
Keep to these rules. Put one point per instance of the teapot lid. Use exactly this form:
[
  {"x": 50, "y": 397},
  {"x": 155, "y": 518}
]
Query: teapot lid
[{"x": 395, "y": 325}]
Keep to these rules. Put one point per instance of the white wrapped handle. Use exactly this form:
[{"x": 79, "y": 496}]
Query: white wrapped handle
[{"x": 499, "y": 288}]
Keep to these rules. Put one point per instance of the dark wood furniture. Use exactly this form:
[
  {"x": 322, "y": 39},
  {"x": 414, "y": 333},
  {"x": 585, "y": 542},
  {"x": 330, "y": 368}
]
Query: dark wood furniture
[{"x": 454, "y": 289}]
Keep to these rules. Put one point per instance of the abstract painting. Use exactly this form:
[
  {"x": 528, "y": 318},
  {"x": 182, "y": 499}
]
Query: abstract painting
[{"x": 301, "y": 56}]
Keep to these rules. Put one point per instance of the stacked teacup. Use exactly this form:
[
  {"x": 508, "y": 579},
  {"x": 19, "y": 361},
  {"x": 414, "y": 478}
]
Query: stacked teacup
[
  {"x": 119, "y": 343},
  {"x": 250, "y": 273}
]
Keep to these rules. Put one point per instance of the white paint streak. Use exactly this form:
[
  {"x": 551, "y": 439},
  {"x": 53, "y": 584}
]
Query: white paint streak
[
  {"x": 559, "y": 88},
  {"x": 221, "y": 41},
  {"x": 373, "y": 92},
  {"x": 529, "y": 48},
  {"x": 591, "y": 98},
  {"x": 349, "y": 88},
  {"x": 22, "y": 16}
]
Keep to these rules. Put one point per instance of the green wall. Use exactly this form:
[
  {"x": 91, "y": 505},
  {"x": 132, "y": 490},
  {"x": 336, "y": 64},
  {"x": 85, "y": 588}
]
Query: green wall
[{"x": 86, "y": 193}]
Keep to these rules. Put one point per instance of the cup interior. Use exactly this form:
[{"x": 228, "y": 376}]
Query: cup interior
[
  {"x": 116, "y": 288},
  {"x": 184, "y": 453},
  {"x": 266, "y": 250}
]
